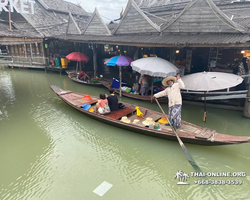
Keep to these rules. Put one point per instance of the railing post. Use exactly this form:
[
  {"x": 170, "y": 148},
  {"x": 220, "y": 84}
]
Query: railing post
[{"x": 246, "y": 112}]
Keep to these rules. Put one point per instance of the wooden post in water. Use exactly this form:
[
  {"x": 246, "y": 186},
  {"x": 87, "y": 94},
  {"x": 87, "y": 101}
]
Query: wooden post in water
[
  {"x": 94, "y": 59},
  {"x": 43, "y": 52},
  {"x": 152, "y": 89},
  {"x": 246, "y": 112},
  {"x": 31, "y": 54}
]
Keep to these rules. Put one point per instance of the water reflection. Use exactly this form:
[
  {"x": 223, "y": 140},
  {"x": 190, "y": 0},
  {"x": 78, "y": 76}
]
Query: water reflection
[{"x": 7, "y": 94}]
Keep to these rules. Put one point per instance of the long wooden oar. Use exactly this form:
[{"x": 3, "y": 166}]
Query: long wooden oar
[{"x": 187, "y": 154}]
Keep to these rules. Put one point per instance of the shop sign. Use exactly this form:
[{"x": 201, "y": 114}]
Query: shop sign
[{"x": 21, "y": 6}]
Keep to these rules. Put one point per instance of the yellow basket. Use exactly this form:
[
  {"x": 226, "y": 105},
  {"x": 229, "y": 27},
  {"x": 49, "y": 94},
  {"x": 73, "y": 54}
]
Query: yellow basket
[{"x": 163, "y": 120}]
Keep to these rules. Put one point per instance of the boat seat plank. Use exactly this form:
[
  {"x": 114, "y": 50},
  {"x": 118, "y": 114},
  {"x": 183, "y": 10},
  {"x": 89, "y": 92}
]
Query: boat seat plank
[
  {"x": 205, "y": 133},
  {"x": 117, "y": 114}
]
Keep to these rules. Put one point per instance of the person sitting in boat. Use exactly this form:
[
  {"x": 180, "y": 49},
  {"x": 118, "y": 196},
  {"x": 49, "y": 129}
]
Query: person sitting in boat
[
  {"x": 83, "y": 76},
  {"x": 143, "y": 81},
  {"x": 112, "y": 100},
  {"x": 102, "y": 105},
  {"x": 173, "y": 90}
]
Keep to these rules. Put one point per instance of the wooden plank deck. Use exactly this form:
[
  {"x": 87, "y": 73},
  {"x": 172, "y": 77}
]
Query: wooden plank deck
[
  {"x": 77, "y": 100},
  {"x": 120, "y": 113},
  {"x": 205, "y": 133}
]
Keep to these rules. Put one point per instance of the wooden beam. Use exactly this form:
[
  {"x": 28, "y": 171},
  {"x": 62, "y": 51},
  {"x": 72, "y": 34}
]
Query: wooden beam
[
  {"x": 245, "y": 45},
  {"x": 20, "y": 39},
  {"x": 95, "y": 59}
]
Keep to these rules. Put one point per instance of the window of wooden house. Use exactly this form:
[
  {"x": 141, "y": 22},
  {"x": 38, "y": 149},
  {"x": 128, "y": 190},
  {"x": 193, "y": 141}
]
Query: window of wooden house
[
  {"x": 40, "y": 45},
  {"x": 37, "y": 48},
  {"x": 16, "y": 49}
]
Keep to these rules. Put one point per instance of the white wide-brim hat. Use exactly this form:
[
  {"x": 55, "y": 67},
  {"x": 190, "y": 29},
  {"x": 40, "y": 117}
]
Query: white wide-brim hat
[
  {"x": 136, "y": 121},
  {"x": 125, "y": 120},
  {"x": 165, "y": 81},
  {"x": 148, "y": 121}
]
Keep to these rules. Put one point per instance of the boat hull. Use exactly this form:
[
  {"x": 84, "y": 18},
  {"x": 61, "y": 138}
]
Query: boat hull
[
  {"x": 188, "y": 133},
  {"x": 74, "y": 78}
]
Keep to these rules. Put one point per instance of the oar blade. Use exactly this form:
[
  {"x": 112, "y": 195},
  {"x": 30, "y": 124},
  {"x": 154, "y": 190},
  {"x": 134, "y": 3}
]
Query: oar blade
[{"x": 184, "y": 149}]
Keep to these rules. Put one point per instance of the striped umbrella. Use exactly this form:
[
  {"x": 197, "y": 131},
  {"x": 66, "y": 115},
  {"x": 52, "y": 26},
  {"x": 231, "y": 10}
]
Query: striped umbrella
[{"x": 119, "y": 61}]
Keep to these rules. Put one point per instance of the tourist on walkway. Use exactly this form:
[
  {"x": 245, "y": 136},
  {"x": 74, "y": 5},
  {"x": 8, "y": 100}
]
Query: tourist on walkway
[{"x": 174, "y": 85}]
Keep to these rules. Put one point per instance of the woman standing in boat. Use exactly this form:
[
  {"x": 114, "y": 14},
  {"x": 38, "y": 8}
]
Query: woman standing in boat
[
  {"x": 143, "y": 81},
  {"x": 173, "y": 91}
]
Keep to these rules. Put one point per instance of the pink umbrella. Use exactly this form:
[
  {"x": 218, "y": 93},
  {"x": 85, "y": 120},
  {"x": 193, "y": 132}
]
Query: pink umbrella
[{"x": 77, "y": 56}]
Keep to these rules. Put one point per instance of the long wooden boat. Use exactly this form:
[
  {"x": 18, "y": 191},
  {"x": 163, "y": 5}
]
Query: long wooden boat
[
  {"x": 73, "y": 76},
  {"x": 134, "y": 96},
  {"x": 189, "y": 133}
]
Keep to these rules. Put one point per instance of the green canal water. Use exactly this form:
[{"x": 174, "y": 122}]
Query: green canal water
[{"x": 51, "y": 151}]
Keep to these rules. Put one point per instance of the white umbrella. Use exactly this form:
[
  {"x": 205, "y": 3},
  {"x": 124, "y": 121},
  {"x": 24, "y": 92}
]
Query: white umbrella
[
  {"x": 210, "y": 81},
  {"x": 154, "y": 66}
]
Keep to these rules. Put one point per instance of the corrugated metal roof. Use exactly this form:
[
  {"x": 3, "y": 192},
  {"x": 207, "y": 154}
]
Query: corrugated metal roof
[{"x": 166, "y": 39}]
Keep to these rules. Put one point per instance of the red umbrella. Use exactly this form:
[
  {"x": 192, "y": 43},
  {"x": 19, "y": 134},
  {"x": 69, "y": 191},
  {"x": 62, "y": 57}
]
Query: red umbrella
[{"x": 77, "y": 56}]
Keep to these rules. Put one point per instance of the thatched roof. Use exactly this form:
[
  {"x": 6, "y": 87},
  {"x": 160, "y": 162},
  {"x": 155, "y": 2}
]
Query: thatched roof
[
  {"x": 163, "y": 11},
  {"x": 72, "y": 26},
  {"x": 96, "y": 25},
  {"x": 202, "y": 16},
  {"x": 50, "y": 18},
  {"x": 135, "y": 21},
  {"x": 63, "y": 6},
  {"x": 163, "y": 3},
  {"x": 177, "y": 23}
]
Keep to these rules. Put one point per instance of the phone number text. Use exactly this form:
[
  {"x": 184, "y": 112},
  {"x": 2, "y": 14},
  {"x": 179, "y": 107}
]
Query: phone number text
[{"x": 218, "y": 182}]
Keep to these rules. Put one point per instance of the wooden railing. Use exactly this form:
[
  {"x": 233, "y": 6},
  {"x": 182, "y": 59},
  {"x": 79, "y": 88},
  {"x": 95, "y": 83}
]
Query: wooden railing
[{"x": 36, "y": 60}]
